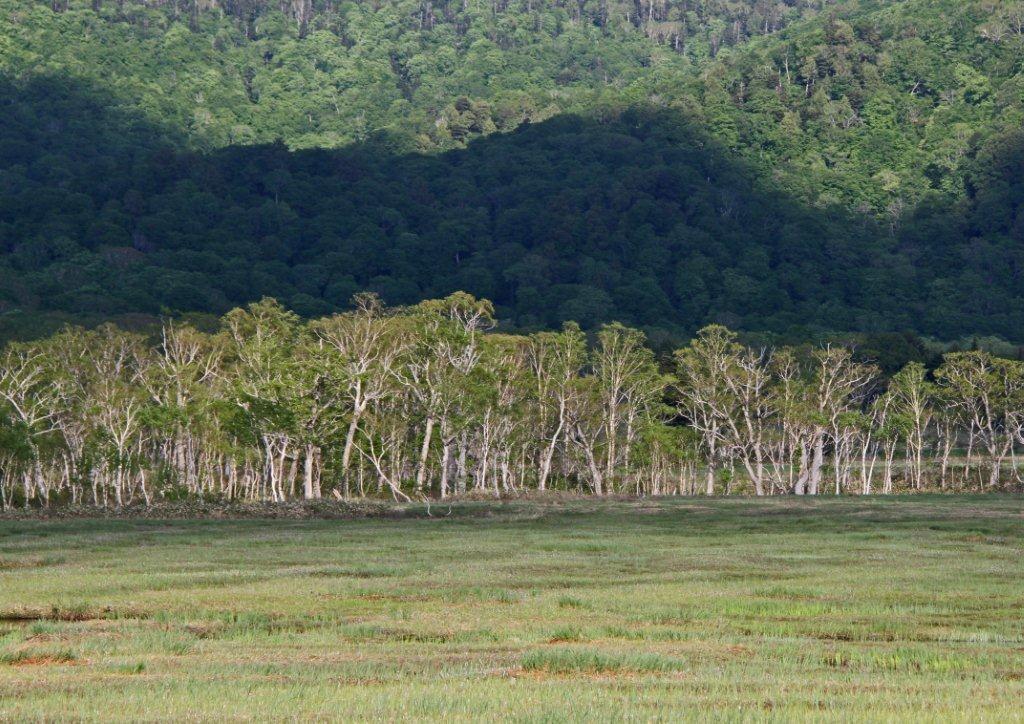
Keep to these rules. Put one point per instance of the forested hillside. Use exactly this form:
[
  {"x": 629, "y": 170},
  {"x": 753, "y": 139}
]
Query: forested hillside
[{"x": 788, "y": 167}]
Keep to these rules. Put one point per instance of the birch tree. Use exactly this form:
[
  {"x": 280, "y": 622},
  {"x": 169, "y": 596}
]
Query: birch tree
[
  {"x": 28, "y": 388},
  {"x": 988, "y": 392},
  {"x": 555, "y": 361},
  {"x": 913, "y": 397},
  {"x": 364, "y": 350},
  {"x": 262, "y": 339},
  {"x": 703, "y": 392}
]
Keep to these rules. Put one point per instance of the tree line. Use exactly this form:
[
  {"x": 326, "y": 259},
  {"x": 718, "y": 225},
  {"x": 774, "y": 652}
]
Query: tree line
[{"x": 426, "y": 401}]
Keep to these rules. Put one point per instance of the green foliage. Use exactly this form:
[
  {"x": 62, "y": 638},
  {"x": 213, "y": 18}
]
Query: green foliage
[
  {"x": 425, "y": 399},
  {"x": 780, "y": 168}
]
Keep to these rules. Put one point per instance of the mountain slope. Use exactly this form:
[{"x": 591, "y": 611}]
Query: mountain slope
[
  {"x": 327, "y": 73},
  {"x": 857, "y": 169}
]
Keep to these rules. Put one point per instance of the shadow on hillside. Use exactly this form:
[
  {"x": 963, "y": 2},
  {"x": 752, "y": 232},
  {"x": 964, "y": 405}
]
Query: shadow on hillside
[{"x": 641, "y": 218}]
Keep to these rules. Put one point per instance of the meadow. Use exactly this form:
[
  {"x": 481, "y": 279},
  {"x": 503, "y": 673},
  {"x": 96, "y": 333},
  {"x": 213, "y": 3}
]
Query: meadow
[{"x": 662, "y": 609}]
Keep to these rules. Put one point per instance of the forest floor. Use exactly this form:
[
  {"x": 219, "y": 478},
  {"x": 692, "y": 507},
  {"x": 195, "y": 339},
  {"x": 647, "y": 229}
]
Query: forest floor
[{"x": 907, "y": 608}]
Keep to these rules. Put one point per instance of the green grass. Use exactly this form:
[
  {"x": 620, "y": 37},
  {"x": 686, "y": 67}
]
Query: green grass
[{"x": 906, "y": 609}]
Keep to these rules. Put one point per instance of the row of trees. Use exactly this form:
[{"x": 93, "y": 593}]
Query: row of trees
[
  {"x": 784, "y": 419},
  {"x": 423, "y": 402}
]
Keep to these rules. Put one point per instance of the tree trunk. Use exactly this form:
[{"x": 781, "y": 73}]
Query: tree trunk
[
  {"x": 549, "y": 452},
  {"x": 814, "y": 480},
  {"x": 346, "y": 453},
  {"x": 446, "y": 455},
  {"x": 800, "y": 487},
  {"x": 308, "y": 489},
  {"x": 421, "y": 470}
]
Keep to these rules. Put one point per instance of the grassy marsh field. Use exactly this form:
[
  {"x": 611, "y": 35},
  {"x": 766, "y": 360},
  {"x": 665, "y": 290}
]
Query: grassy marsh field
[{"x": 859, "y": 608}]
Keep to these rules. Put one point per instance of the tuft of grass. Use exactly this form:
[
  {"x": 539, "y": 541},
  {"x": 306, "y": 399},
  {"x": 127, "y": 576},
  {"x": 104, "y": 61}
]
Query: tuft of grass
[
  {"x": 76, "y": 611},
  {"x": 355, "y": 572},
  {"x": 900, "y": 660},
  {"x": 130, "y": 669},
  {"x": 25, "y": 562},
  {"x": 38, "y": 657},
  {"x": 505, "y": 596},
  {"x": 566, "y": 634},
  {"x": 571, "y": 602},
  {"x": 569, "y": 661}
]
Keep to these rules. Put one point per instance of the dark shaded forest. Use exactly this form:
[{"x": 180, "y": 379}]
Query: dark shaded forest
[{"x": 640, "y": 217}]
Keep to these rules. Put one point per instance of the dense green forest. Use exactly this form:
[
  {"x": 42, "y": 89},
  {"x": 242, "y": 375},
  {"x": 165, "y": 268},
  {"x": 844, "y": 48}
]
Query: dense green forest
[{"x": 793, "y": 168}]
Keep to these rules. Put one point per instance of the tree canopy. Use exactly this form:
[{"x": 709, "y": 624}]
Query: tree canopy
[
  {"x": 428, "y": 400},
  {"x": 781, "y": 167}
]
